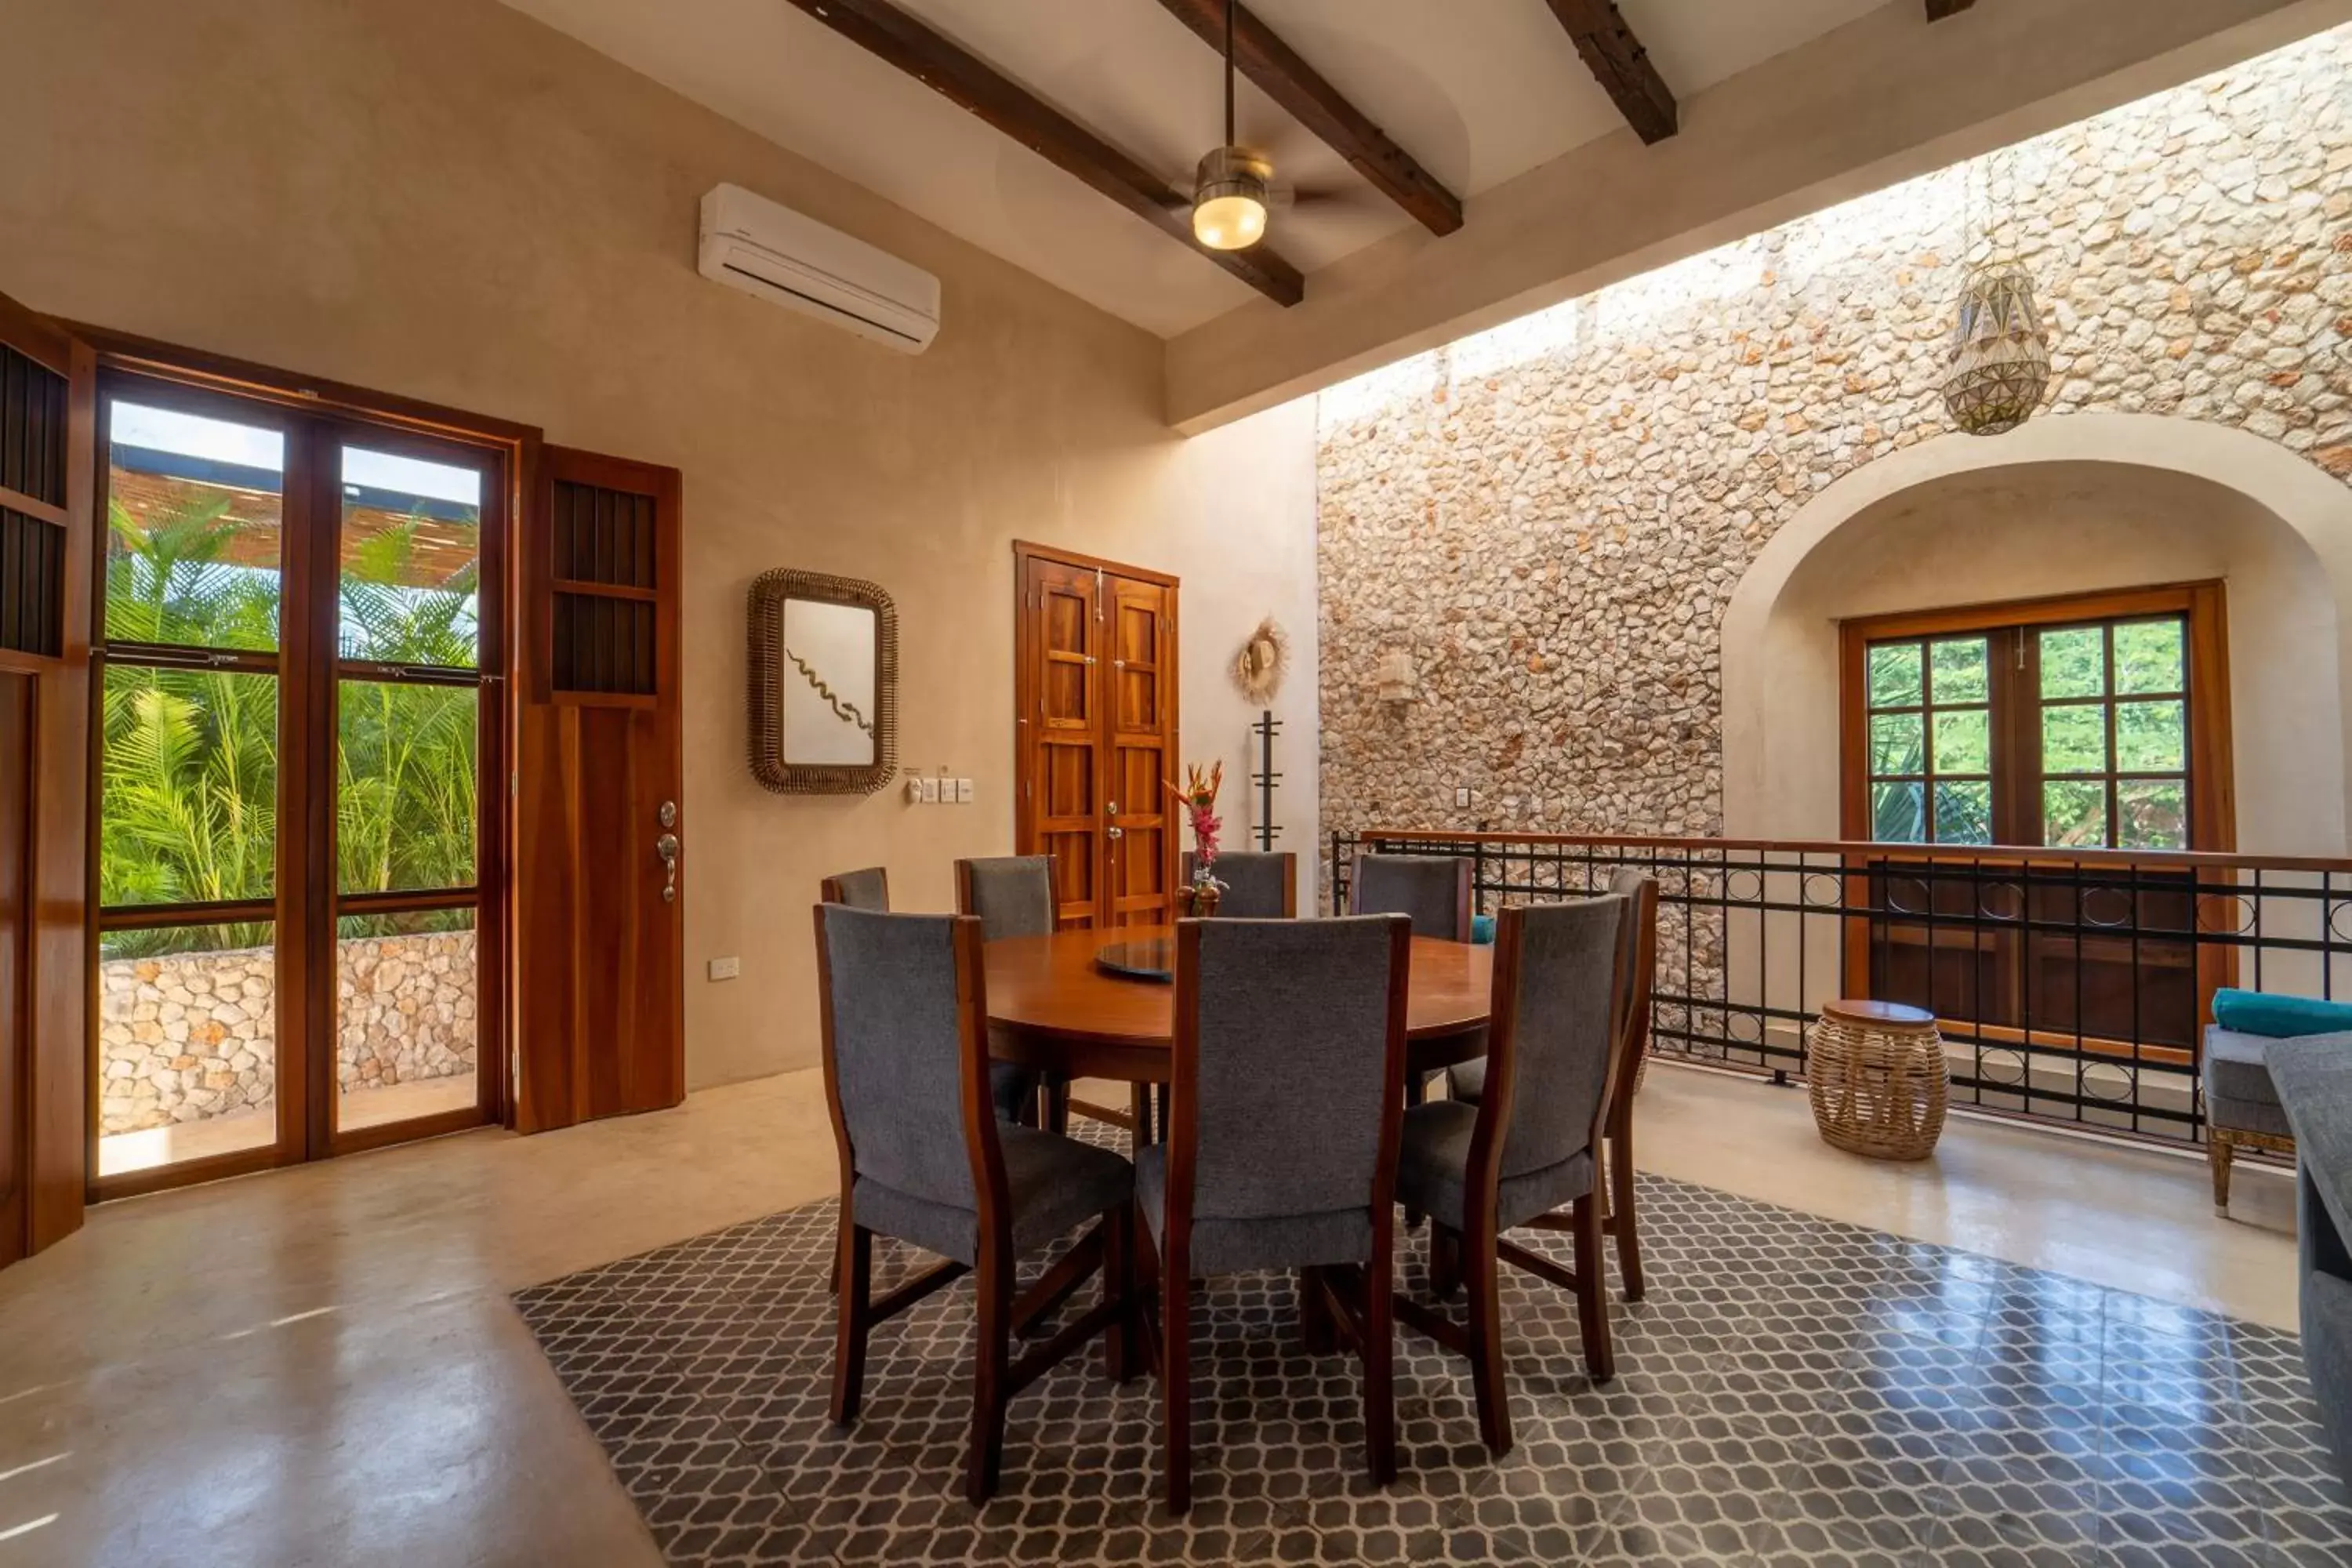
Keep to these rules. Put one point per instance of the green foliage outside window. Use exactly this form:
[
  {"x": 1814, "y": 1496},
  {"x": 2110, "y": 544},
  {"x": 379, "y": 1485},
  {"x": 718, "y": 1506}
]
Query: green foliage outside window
[{"x": 189, "y": 757}]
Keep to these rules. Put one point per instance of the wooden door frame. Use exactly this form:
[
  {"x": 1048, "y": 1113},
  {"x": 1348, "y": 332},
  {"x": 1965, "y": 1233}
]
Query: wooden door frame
[
  {"x": 305, "y": 1130},
  {"x": 1024, "y": 736}
]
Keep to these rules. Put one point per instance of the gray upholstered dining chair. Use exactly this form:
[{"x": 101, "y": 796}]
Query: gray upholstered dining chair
[
  {"x": 904, "y": 1008},
  {"x": 1287, "y": 1068},
  {"x": 864, "y": 890},
  {"x": 1622, "y": 1220},
  {"x": 1260, "y": 885},
  {"x": 1433, "y": 890},
  {"x": 1555, "y": 1047},
  {"x": 1010, "y": 895},
  {"x": 1013, "y": 895}
]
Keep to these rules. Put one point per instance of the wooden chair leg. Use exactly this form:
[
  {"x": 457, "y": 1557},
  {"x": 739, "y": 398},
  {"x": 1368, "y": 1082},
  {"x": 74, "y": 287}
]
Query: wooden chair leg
[
  {"x": 1444, "y": 1261},
  {"x": 991, "y": 1351},
  {"x": 1139, "y": 1104},
  {"x": 1485, "y": 1333},
  {"x": 1380, "y": 1367},
  {"x": 1316, "y": 1329},
  {"x": 1176, "y": 1388},
  {"x": 1120, "y": 1346},
  {"x": 853, "y": 1273},
  {"x": 2219, "y": 1150},
  {"x": 1416, "y": 1092},
  {"x": 1620, "y": 1212},
  {"x": 1055, "y": 1095},
  {"x": 1592, "y": 1289}
]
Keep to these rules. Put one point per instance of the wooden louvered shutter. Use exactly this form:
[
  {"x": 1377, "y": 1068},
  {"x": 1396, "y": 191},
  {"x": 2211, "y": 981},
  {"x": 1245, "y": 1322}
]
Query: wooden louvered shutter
[{"x": 48, "y": 477}]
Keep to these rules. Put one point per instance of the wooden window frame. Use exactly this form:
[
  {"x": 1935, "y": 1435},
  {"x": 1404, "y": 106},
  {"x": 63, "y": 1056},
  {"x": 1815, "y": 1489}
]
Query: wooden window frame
[
  {"x": 2213, "y": 815},
  {"x": 329, "y": 413}
]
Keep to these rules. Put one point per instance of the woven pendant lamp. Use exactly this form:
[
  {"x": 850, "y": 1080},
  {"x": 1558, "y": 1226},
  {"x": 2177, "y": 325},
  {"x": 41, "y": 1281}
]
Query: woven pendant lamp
[{"x": 1999, "y": 367}]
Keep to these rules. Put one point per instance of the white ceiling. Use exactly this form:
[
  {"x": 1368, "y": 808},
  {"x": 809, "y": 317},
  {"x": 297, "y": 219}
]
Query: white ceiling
[{"x": 1477, "y": 91}]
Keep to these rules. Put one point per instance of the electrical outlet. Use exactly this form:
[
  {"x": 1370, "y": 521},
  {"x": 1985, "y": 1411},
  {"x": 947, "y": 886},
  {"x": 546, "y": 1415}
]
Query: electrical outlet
[
  {"x": 1461, "y": 795},
  {"x": 726, "y": 968},
  {"x": 930, "y": 790},
  {"x": 963, "y": 792}
]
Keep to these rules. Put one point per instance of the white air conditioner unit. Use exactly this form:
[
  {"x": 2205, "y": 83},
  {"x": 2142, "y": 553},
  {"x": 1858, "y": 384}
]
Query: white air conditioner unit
[{"x": 751, "y": 243}]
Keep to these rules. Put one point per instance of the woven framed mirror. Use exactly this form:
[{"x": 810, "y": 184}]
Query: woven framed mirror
[{"x": 824, "y": 684}]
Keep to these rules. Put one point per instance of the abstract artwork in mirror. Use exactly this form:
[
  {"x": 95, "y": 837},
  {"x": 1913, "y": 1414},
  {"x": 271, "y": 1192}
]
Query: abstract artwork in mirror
[{"x": 824, "y": 684}]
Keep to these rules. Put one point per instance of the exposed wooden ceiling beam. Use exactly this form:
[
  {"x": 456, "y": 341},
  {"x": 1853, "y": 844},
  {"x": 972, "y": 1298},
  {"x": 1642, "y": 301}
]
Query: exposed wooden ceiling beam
[
  {"x": 1622, "y": 66},
  {"x": 1315, "y": 103},
  {"x": 884, "y": 30},
  {"x": 1939, "y": 9}
]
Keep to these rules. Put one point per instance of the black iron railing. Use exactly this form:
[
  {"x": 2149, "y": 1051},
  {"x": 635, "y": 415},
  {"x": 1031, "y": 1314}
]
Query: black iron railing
[{"x": 2069, "y": 985}]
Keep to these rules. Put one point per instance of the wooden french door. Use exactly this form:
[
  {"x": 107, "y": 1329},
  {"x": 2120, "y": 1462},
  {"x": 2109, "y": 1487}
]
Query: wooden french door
[
  {"x": 48, "y": 382},
  {"x": 600, "y": 835},
  {"x": 1095, "y": 702},
  {"x": 300, "y": 848}
]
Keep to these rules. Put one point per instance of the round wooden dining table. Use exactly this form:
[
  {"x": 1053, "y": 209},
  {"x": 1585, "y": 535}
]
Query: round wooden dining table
[{"x": 1051, "y": 1005}]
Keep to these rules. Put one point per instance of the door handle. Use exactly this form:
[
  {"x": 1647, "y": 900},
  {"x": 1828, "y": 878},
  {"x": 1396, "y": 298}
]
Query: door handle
[{"x": 666, "y": 847}]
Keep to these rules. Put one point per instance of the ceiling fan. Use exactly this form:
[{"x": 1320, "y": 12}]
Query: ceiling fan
[{"x": 1234, "y": 190}]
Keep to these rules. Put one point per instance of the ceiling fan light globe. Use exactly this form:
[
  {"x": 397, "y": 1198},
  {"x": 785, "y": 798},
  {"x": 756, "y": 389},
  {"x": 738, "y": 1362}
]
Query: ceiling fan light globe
[
  {"x": 1230, "y": 200},
  {"x": 1229, "y": 223}
]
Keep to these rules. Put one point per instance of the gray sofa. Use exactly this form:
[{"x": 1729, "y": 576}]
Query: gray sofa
[
  {"x": 2242, "y": 1103},
  {"x": 2312, "y": 1080}
]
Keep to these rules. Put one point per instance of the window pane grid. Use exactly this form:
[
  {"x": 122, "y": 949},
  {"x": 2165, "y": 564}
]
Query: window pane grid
[
  {"x": 194, "y": 538},
  {"x": 2114, "y": 730},
  {"x": 1930, "y": 754}
]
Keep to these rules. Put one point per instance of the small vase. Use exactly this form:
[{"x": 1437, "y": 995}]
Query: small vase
[{"x": 1198, "y": 901}]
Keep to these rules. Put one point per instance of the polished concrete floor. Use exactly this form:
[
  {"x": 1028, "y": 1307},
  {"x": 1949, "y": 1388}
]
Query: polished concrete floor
[{"x": 320, "y": 1366}]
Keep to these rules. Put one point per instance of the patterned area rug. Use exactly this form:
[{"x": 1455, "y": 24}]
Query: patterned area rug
[{"x": 1793, "y": 1391}]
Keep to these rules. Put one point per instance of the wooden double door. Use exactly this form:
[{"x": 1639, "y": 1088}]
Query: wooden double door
[{"x": 1095, "y": 704}]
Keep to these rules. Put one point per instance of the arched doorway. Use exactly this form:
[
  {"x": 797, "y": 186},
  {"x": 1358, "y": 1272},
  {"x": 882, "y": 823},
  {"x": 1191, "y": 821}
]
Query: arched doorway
[{"x": 2065, "y": 505}]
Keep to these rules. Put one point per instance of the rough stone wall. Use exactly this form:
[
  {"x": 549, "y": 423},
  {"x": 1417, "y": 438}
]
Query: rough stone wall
[
  {"x": 193, "y": 1035},
  {"x": 1551, "y": 518}
]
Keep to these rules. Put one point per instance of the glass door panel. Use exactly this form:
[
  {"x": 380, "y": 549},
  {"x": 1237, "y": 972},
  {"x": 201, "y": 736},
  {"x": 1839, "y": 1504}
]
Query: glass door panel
[
  {"x": 406, "y": 799},
  {"x": 195, "y": 514},
  {"x": 187, "y": 1045},
  {"x": 410, "y": 730},
  {"x": 407, "y": 988},
  {"x": 187, "y": 1062}
]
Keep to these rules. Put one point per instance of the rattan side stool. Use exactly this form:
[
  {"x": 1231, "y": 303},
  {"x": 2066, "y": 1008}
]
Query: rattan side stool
[{"x": 1878, "y": 1080}]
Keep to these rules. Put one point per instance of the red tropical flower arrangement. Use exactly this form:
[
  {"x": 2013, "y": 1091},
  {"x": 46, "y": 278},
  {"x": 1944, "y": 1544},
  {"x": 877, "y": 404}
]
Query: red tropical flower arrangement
[{"x": 1198, "y": 799}]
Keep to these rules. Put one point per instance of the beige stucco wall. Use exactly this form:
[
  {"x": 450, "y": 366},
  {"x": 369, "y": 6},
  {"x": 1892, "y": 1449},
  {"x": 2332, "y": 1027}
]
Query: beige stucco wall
[{"x": 444, "y": 199}]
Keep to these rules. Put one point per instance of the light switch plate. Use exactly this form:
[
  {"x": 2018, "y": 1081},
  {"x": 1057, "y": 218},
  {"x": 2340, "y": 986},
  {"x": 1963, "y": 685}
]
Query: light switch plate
[
  {"x": 930, "y": 790},
  {"x": 1461, "y": 795},
  {"x": 963, "y": 792},
  {"x": 726, "y": 968}
]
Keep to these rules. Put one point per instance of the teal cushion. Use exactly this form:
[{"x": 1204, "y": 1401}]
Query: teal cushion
[
  {"x": 2279, "y": 1018},
  {"x": 1481, "y": 928}
]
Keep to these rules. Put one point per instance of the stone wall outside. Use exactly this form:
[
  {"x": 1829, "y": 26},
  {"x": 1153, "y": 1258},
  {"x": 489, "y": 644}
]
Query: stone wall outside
[
  {"x": 1551, "y": 518},
  {"x": 191, "y": 1036}
]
